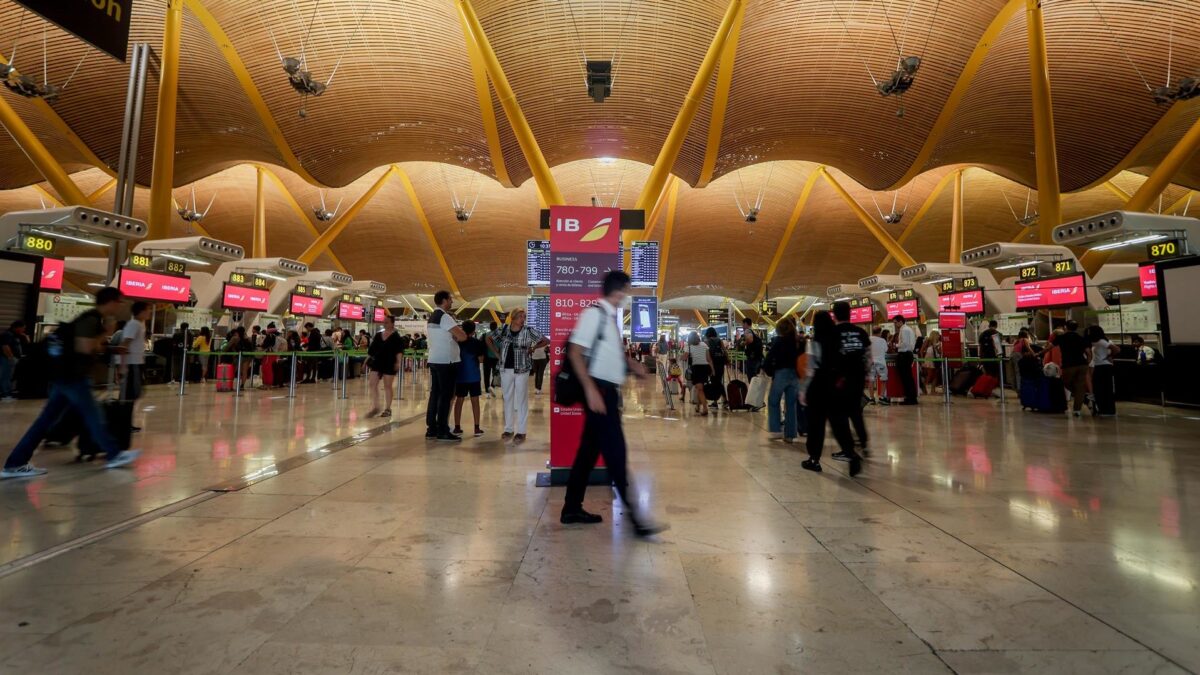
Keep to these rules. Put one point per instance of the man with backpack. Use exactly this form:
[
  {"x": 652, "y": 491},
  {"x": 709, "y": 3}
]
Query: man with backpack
[{"x": 72, "y": 350}]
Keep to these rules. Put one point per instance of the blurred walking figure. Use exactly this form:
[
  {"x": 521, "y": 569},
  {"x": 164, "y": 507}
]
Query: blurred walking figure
[{"x": 600, "y": 363}]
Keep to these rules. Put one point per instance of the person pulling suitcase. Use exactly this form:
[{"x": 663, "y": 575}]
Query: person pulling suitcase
[{"x": 72, "y": 351}]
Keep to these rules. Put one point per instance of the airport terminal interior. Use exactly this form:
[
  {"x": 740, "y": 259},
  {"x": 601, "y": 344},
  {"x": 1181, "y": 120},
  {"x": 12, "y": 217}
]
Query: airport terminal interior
[{"x": 329, "y": 219}]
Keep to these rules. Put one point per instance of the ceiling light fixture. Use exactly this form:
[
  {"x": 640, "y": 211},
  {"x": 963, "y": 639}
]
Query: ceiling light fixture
[
  {"x": 1129, "y": 242},
  {"x": 183, "y": 258},
  {"x": 81, "y": 240}
]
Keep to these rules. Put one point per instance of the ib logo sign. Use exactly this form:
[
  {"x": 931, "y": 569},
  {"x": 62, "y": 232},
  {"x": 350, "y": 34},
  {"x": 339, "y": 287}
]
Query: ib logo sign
[{"x": 585, "y": 228}]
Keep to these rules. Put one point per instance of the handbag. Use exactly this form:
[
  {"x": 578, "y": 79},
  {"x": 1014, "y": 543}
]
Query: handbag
[{"x": 568, "y": 388}]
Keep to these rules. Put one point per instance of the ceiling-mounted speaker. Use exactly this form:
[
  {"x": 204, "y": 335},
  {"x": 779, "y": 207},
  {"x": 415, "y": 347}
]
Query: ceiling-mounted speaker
[{"x": 599, "y": 80}]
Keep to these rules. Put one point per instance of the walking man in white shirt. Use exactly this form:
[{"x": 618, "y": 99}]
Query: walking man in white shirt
[
  {"x": 906, "y": 344},
  {"x": 599, "y": 360},
  {"x": 133, "y": 339},
  {"x": 444, "y": 334}
]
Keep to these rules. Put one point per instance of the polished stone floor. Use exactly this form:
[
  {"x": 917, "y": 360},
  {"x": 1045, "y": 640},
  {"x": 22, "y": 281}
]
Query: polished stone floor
[{"x": 980, "y": 539}]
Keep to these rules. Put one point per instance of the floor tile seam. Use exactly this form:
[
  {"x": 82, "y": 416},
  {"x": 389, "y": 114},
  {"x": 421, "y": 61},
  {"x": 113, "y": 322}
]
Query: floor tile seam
[{"x": 1024, "y": 577}]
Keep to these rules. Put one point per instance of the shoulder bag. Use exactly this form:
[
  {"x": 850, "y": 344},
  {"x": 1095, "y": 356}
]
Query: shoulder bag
[{"x": 568, "y": 388}]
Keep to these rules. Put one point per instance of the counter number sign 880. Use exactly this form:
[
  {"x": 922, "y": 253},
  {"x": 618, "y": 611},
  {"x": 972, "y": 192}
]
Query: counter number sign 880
[{"x": 37, "y": 244}]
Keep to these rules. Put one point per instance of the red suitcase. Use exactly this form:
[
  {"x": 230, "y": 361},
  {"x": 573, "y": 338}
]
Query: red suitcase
[{"x": 984, "y": 386}]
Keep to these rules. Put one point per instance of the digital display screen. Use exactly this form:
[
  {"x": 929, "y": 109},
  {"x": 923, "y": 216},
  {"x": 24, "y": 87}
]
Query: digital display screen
[
  {"x": 643, "y": 322},
  {"x": 143, "y": 285},
  {"x": 952, "y": 320},
  {"x": 1146, "y": 274},
  {"x": 305, "y": 305},
  {"x": 350, "y": 311},
  {"x": 537, "y": 262},
  {"x": 537, "y": 311},
  {"x": 243, "y": 297},
  {"x": 53, "y": 269},
  {"x": 864, "y": 314},
  {"x": 644, "y": 264},
  {"x": 381, "y": 315},
  {"x": 904, "y": 308},
  {"x": 967, "y": 302},
  {"x": 1058, "y": 292}
]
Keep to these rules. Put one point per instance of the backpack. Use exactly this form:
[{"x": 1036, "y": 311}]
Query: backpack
[{"x": 60, "y": 350}]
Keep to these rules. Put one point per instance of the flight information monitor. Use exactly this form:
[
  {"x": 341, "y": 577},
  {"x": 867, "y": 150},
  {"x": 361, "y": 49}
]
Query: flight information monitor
[
  {"x": 1057, "y": 292},
  {"x": 952, "y": 320},
  {"x": 245, "y": 298},
  {"x": 537, "y": 262},
  {"x": 538, "y": 313},
  {"x": 1146, "y": 274},
  {"x": 863, "y": 314},
  {"x": 305, "y": 305},
  {"x": 351, "y": 311},
  {"x": 142, "y": 285},
  {"x": 644, "y": 264},
  {"x": 904, "y": 308},
  {"x": 381, "y": 314},
  {"x": 968, "y": 302}
]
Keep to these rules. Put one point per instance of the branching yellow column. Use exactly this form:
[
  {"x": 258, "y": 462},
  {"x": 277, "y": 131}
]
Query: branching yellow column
[
  {"x": 956, "y": 220},
  {"x": 1045, "y": 147},
  {"x": 40, "y": 156},
  {"x": 433, "y": 242},
  {"x": 163, "y": 171},
  {"x": 259, "y": 245},
  {"x": 787, "y": 234},
  {"x": 691, "y": 104},
  {"x": 672, "y": 202},
  {"x": 880, "y": 234},
  {"x": 322, "y": 243},
  {"x": 916, "y": 220},
  {"x": 508, "y": 100}
]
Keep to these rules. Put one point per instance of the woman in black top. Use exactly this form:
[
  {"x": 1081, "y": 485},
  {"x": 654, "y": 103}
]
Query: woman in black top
[
  {"x": 383, "y": 358},
  {"x": 716, "y": 349}
]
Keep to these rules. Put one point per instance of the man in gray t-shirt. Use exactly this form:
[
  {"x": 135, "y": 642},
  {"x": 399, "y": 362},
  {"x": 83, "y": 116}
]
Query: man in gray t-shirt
[{"x": 444, "y": 336}]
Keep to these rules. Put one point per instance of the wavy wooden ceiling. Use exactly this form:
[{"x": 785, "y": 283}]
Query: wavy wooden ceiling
[{"x": 404, "y": 93}]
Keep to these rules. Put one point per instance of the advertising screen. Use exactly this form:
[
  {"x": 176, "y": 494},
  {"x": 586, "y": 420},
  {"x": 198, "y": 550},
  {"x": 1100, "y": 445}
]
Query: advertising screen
[
  {"x": 862, "y": 314},
  {"x": 143, "y": 285},
  {"x": 952, "y": 320},
  {"x": 643, "y": 322},
  {"x": 537, "y": 262},
  {"x": 904, "y": 308},
  {"x": 350, "y": 311},
  {"x": 967, "y": 302},
  {"x": 53, "y": 268},
  {"x": 1146, "y": 273},
  {"x": 380, "y": 315},
  {"x": 1058, "y": 292},
  {"x": 243, "y": 297},
  {"x": 303, "y": 305}
]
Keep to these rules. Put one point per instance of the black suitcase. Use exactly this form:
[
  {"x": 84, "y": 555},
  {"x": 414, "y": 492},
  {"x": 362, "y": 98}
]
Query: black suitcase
[
  {"x": 65, "y": 429},
  {"x": 713, "y": 391},
  {"x": 118, "y": 419},
  {"x": 963, "y": 379}
]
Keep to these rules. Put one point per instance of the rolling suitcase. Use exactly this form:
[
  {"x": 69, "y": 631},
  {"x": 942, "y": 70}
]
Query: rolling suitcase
[
  {"x": 984, "y": 386},
  {"x": 118, "y": 419},
  {"x": 735, "y": 395},
  {"x": 756, "y": 398},
  {"x": 962, "y": 379},
  {"x": 713, "y": 391}
]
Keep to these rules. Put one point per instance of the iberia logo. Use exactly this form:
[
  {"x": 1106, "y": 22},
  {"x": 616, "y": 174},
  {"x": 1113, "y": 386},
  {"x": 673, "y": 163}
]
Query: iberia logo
[{"x": 584, "y": 228}]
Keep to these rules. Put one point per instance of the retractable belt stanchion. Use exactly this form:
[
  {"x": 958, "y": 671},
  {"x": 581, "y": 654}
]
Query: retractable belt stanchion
[
  {"x": 946, "y": 380},
  {"x": 183, "y": 371},
  {"x": 292, "y": 383},
  {"x": 1002, "y": 364},
  {"x": 337, "y": 362},
  {"x": 345, "y": 373},
  {"x": 237, "y": 377}
]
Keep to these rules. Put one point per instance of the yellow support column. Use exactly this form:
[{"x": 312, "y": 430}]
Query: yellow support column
[
  {"x": 787, "y": 234},
  {"x": 956, "y": 220},
  {"x": 102, "y": 190},
  {"x": 258, "y": 248},
  {"x": 1045, "y": 147},
  {"x": 547, "y": 186},
  {"x": 716, "y": 122},
  {"x": 433, "y": 242},
  {"x": 163, "y": 171},
  {"x": 691, "y": 104},
  {"x": 322, "y": 243},
  {"x": 40, "y": 156},
  {"x": 880, "y": 234},
  {"x": 912, "y": 224}
]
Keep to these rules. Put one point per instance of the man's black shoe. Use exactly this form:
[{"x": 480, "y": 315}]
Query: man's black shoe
[
  {"x": 580, "y": 516},
  {"x": 449, "y": 438},
  {"x": 811, "y": 465},
  {"x": 643, "y": 529},
  {"x": 430, "y": 434},
  {"x": 841, "y": 456},
  {"x": 855, "y": 466}
]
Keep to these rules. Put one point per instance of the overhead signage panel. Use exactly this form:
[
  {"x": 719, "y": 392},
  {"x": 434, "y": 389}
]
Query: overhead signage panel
[
  {"x": 102, "y": 23},
  {"x": 245, "y": 298},
  {"x": 154, "y": 286},
  {"x": 1059, "y": 292}
]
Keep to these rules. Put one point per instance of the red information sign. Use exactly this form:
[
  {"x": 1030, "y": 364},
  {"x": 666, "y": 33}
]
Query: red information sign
[
  {"x": 1146, "y": 273},
  {"x": 1056, "y": 292},
  {"x": 245, "y": 298},
  {"x": 862, "y": 314},
  {"x": 584, "y": 244},
  {"x": 153, "y": 286},
  {"x": 381, "y": 315},
  {"x": 952, "y": 320},
  {"x": 52, "y": 274},
  {"x": 351, "y": 311},
  {"x": 303, "y": 305},
  {"x": 904, "y": 308}
]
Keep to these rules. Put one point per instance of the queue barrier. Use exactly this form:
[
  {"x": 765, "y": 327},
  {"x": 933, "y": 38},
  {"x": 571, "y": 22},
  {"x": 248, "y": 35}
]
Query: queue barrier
[{"x": 945, "y": 362}]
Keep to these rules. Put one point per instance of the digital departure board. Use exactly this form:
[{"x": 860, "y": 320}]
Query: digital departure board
[
  {"x": 537, "y": 262},
  {"x": 538, "y": 313},
  {"x": 1060, "y": 292},
  {"x": 644, "y": 264}
]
